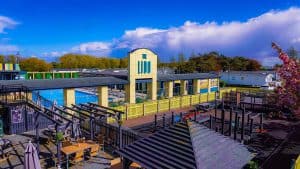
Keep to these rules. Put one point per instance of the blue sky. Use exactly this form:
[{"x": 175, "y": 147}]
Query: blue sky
[{"x": 50, "y": 28}]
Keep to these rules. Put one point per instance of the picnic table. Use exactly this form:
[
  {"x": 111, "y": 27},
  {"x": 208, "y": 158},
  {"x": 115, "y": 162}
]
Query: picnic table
[
  {"x": 77, "y": 148},
  {"x": 205, "y": 106}
]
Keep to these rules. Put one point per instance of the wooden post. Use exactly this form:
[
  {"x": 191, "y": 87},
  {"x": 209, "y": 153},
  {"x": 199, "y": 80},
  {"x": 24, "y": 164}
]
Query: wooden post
[
  {"x": 238, "y": 124},
  {"x": 261, "y": 122},
  {"x": 251, "y": 127},
  {"x": 120, "y": 136},
  {"x": 243, "y": 121},
  {"x": 223, "y": 121},
  {"x": 230, "y": 121},
  {"x": 248, "y": 119},
  {"x": 235, "y": 125},
  {"x": 181, "y": 116},
  {"x": 210, "y": 121},
  {"x": 91, "y": 127}
]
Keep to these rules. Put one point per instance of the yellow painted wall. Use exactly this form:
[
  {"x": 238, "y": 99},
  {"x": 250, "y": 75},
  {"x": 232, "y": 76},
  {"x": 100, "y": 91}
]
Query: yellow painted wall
[
  {"x": 135, "y": 59},
  {"x": 196, "y": 86},
  {"x": 103, "y": 96},
  {"x": 183, "y": 89},
  {"x": 152, "y": 107},
  {"x": 169, "y": 89},
  {"x": 204, "y": 83},
  {"x": 69, "y": 97}
]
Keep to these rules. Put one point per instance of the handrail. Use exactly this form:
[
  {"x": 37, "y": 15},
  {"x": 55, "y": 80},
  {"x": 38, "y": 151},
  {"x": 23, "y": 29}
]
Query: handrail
[{"x": 108, "y": 108}]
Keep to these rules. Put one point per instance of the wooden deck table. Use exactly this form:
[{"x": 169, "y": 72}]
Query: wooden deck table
[{"x": 77, "y": 147}]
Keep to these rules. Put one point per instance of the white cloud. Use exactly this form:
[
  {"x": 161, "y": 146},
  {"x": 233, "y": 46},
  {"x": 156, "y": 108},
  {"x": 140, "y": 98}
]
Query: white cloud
[
  {"x": 54, "y": 53},
  {"x": 6, "y": 23},
  {"x": 8, "y": 49},
  {"x": 95, "y": 48},
  {"x": 250, "y": 38}
]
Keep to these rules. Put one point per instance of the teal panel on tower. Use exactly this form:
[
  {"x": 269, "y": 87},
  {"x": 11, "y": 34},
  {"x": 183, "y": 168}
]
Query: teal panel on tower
[{"x": 145, "y": 66}]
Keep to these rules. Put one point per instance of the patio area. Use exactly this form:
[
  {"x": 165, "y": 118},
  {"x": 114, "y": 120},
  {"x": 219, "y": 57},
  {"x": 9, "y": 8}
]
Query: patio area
[{"x": 47, "y": 154}]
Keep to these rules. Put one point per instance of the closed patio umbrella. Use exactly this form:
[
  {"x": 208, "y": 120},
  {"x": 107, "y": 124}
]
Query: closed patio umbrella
[{"x": 31, "y": 160}]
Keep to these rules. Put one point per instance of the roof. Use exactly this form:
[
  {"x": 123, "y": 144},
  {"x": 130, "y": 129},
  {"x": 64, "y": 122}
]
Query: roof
[
  {"x": 187, "y": 76},
  {"x": 187, "y": 145},
  {"x": 9, "y": 71},
  {"x": 142, "y": 48},
  {"x": 250, "y": 72},
  {"x": 160, "y": 77},
  {"x": 65, "y": 83}
]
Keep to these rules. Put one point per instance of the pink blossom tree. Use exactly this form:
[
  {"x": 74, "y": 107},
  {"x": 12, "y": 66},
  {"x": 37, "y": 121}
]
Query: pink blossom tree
[{"x": 289, "y": 92}]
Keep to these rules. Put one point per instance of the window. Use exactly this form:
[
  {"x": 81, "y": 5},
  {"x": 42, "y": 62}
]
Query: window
[
  {"x": 144, "y": 56},
  {"x": 242, "y": 78},
  {"x": 232, "y": 78}
]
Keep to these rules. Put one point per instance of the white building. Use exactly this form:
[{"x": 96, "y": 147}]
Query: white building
[{"x": 266, "y": 79}]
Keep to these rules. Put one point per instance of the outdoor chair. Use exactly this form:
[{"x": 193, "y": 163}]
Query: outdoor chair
[
  {"x": 81, "y": 140},
  {"x": 5, "y": 153},
  {"x": 54, "y": 160},
  {"x": 79, "y": 156},
  {"x": 94, "y": 150},
  {"x": 5, "y": 148},
  {"x": 66, "y": 143},
  {"x": 111, "y": 137},
  {"x": 103, "y": 130}
]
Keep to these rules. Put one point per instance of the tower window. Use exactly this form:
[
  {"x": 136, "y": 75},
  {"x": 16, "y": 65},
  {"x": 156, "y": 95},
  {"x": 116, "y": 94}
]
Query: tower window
[{"x": 144, "y": 56}]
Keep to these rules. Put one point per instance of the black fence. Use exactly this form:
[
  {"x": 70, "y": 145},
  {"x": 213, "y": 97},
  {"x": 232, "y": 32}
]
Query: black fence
[
  {"x": 20, "y": 118},
  {"x": 111, "y": 133}
]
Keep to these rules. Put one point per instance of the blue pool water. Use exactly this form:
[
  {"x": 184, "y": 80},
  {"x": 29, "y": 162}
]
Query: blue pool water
[{"x": 58, "y": 96}]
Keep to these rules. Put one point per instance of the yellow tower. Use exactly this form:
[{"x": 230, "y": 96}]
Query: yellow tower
[{"x": 142, "y": 65}]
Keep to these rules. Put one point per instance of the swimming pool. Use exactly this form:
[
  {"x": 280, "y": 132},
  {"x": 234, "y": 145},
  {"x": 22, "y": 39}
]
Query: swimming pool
[{"x": 58, "y": 96}]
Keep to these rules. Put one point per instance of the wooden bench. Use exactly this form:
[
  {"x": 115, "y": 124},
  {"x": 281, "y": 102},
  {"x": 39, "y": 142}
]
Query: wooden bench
[
  {"x": 94, "y": 150},
  {"x": 79, "y": 156}
]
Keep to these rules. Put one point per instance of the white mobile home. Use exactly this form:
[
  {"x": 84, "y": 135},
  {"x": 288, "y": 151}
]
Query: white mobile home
[{"x": 267, "y": 79}]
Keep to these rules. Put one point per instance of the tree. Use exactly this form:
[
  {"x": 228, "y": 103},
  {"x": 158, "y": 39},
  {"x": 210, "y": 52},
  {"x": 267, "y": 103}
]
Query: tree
[
  {"x": 292, "y": 53},
  {"x": 253, "y": 65},
  {"x": 173, "y": 63},
  {"x": 12, "y": 59},
  {"x": 55, "y": 64},
  {"x": 238, "y": 63},
  {"x": 181, "y": 58},
  {"x": 2, "y": 58},
  {"x": 34, "y": 64},
  {"x": 289, "y": 92},
  {"x": 124, "y": 62}
]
